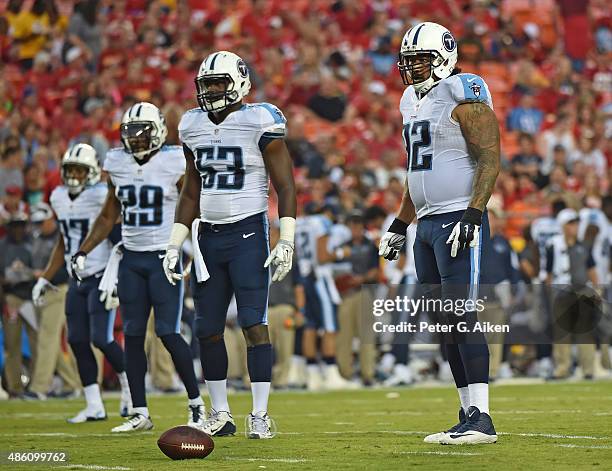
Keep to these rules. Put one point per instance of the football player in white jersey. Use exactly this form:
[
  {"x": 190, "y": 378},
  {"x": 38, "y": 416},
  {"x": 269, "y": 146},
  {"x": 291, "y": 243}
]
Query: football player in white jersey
[
  {"x": 76, "y": 203},
  {"x": 315, "y": 256},
  {"x": 231, "y": 150},
  {"x": 452, "y": 140},
  {"x": 144, "y": 181}
]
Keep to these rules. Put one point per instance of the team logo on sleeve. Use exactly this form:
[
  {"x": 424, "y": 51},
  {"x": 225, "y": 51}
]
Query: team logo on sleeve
[
  {"x": 475, "y": 89},
  {"x": 449, "y": 42}
]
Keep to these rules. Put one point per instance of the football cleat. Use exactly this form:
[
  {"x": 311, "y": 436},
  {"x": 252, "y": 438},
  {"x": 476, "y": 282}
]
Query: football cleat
[
  {"x": 88, "y": 415},
  {"x": 477, "y": 429},
  {"x": 219, "y": 424},
  {"x": 260, "y": 426},
  {"x": 437, "y": 437},
  {"x": 196, "y": 416},
  {"x": 125, "y": 404},
  {"x": 136, "y": 423}
]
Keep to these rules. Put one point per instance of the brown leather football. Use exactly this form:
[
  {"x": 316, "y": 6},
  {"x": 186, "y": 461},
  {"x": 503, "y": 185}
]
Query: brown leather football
[{"x": 183, "y": 443}]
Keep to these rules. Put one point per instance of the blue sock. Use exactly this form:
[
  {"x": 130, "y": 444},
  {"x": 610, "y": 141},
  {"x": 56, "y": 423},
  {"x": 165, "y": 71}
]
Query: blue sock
[
  {"x": 86, "y": 362},
  {"x": 259, "y": 362},
  {"x": 213, "y": 356},
  {"x": 136, "y": 368},
  {"x": 114, "y": 354},
  {"x": 183, "y": 362}
]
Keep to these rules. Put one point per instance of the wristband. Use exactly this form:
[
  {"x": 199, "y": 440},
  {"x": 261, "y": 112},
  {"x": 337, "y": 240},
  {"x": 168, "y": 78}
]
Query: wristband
[
  {"x": 178, "y": 235},
  {"x": 472, "y": 216},
  {"x": 287, "y": 228},
  {"x": 398, "y": 227}
]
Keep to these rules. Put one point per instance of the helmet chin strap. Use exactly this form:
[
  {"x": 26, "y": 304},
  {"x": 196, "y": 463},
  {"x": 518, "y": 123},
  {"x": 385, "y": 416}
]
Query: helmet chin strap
[{"x": 423, "y": 87}]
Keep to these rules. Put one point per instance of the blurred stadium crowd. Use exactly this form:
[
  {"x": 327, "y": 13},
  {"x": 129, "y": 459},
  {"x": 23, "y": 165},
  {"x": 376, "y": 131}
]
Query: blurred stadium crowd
[{"x": 68, "y": 70}]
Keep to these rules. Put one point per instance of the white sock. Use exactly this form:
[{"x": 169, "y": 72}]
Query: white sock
[
  {"x": 261, "y": 392},
  {"x": 198, "y": 401},
  {"x": 141, "y": 410},
  {"x": 92, "y": 397},
  {"x": 479, "y": 396},
  {"x": 464, "y": 397},
  {"x": 217, "y": 390},
  {"x": 123, "y": 382}
]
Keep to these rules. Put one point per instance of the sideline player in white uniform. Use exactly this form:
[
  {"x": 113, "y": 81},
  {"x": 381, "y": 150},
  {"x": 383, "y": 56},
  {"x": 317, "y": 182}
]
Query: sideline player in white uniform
[
  {"x": 231, "y": 148},
  {"x": 144, "y": 180},
  {"x": 316, "y": 254},
  {"x": 452, "y": 140},
  {"x": 76, "y": 203}
]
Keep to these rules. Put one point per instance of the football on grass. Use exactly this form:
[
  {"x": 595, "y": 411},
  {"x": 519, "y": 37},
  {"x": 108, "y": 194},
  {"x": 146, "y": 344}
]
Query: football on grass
[{"x": 183, "y": 443}]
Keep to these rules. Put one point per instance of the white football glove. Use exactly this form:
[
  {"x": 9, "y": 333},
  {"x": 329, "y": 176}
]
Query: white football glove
[
  {"x": 170, "y": 263},
  {"x": 392, "y": 242},
  {"x": 40, "y": 289},
  {"x": 466, "y": 233},
  {"x": 77, "y": 265},
  {"x": 110, "y": 299},
  {"x": 282, "y": 257}
]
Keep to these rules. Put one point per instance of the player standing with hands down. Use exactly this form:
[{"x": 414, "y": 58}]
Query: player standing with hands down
[
  {"x": 144, "y": 181},
  {"x": 231, "y": 149},
  {"x": 452, "y": 140}
]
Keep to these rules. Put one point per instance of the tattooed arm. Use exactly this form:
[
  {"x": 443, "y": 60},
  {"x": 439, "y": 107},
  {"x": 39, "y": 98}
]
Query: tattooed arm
[{"x": 481, "y": 131}]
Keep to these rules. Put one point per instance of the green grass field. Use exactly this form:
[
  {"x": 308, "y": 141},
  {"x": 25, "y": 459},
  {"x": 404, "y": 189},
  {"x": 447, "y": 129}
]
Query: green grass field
[{"x": 541, "y": 426}]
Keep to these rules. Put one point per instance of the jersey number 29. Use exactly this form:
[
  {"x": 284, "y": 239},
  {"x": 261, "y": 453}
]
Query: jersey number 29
[{"x": 148, "y": 202}]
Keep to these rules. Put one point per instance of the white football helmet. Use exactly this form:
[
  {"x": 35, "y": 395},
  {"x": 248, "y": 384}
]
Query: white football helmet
[
  {"x": 222, "y": 67},
  {"x": 143, "y": 129},
  {"x": 80, "y": 155},
  {"x": 428, "y": 54}
]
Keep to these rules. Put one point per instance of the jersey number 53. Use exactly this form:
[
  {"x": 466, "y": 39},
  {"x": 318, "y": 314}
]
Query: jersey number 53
[{"x": 220, "y": 167}]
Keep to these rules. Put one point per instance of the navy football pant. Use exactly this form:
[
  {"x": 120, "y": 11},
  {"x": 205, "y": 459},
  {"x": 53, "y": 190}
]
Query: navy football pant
[
  {"x": 89, "y": 322},
  {"x": 458, "y": 278}
]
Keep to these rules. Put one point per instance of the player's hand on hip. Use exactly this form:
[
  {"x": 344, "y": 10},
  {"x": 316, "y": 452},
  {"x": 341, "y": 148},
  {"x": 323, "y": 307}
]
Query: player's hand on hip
[
  {"x": 110, "y": 299},
  {"x": 170, "y": 264},
  {"x": 77, "y": 265},
  {"x": 466, "y": 233},
  {"x": 39, "y": 290},
  {"x": 281, "y": 257},
  {"x": 392, "y": 242}
]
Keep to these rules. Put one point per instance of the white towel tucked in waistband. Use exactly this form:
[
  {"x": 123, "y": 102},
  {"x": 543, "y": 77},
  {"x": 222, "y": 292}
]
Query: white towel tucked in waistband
[
  {"x": 198, "y": 260},
  {"x": 111, "y": 272}
]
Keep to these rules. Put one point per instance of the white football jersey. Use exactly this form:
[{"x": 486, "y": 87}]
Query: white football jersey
[
  {"x": 440, "y": 169},
  {"x": 76, "y": 216},
  {"x": 309, "y": 229},
  {"x": 229, "y": 159},
  {"x": 601, "y": 244},
  {"x": 542, "y": 231},
  {"x": 148, "y": 195}
]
